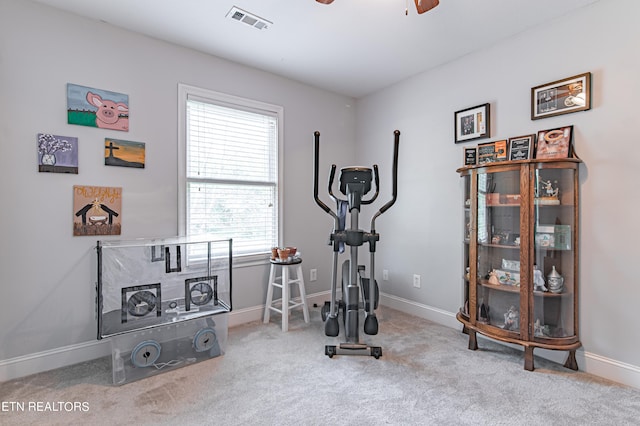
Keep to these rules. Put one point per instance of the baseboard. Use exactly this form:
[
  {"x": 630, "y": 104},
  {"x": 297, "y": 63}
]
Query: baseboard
[
  {"x": 27, "y": 365},
  {"x": 256, "y": 313},
  {"x": 22, "y": 366},
  {"x": 419, "y": 310},
  {"x": 597, "y": 365}
]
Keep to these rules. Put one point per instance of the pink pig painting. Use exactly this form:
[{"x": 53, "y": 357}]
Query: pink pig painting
[{"x": 109, "y": 114}]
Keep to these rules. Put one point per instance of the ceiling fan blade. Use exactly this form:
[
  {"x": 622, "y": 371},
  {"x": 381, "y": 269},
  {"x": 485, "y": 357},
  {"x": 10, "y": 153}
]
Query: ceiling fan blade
[
  {"x": 424, "y": 5},
  {"x": 325, "y": 1}
]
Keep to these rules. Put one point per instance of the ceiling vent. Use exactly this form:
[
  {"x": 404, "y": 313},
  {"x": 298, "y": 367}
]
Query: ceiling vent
[{"x": 255, "y": 21}]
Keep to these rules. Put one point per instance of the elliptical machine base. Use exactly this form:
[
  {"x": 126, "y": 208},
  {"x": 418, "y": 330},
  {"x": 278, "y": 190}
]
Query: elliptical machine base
[{"x": 332, "y": 328}]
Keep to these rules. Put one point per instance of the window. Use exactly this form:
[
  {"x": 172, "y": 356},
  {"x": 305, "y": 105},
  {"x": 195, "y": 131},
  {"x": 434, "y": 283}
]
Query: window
[{"x": 229, "y": 169}]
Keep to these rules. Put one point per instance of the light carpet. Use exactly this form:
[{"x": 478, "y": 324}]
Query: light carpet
[{"x": 426, "y": 376}]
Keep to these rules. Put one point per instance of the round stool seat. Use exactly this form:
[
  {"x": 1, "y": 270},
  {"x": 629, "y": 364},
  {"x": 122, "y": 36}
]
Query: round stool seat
[{"x": 289, "y": 261}]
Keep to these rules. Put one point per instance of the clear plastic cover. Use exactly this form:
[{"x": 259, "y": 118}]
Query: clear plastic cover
[{"x": 147, "y": 283}]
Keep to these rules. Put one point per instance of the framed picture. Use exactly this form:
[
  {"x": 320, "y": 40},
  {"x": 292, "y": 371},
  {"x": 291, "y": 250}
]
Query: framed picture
[
  {"x": 492, "y": 152},
  {"x": 97, "y": 210},
  {"x": 520, "y": 147},
  {"x": 57, "y": 154},
  {"x": 124, "y": 153},
  {"x": 562, "y": 234},
  {"x": 472, "y": 123},
  {"x": 561, "y": 97},
  {"x": 500, "y": 150},
  {"x": 88, "y": 106},
  {"x": 554, "y": 143},
  {"x": 470, "y": 156},
  {"x": 486, "y": 153}
]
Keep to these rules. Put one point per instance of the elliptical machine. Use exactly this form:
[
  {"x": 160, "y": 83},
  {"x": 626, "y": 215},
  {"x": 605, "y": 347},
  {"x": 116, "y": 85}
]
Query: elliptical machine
[{"x": 355, "y": 183}]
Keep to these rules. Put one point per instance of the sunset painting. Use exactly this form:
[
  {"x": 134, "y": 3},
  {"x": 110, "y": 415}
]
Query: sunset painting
[{"x": 124, "y": 153}]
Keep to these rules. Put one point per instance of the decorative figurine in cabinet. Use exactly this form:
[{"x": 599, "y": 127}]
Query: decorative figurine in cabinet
[{"x": 520, "y": 272}]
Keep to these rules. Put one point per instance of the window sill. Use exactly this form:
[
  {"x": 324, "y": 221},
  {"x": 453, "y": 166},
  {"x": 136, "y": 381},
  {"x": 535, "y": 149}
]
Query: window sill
[{"x": 246, "y": 261}]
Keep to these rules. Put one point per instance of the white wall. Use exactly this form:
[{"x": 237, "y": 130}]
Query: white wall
[
  {"x": 47, "y": 289},
  {"x": 47, "y": 285},
  {"x": 423, "y": 233}
]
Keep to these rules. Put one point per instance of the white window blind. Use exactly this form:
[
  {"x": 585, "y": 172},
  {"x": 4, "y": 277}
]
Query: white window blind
[{"x": 232, "y": 174}]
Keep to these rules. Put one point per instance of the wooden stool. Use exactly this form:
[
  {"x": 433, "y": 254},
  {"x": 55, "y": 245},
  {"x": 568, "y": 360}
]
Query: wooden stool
[{"x": 286, "y": 302}]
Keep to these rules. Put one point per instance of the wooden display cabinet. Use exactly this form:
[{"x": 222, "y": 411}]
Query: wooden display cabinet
[{"x": 520, "y": 272}]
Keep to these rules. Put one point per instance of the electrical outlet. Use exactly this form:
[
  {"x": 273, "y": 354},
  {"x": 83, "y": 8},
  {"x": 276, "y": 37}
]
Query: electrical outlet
[
  {"x": 416, "y": 280},
  {"x": 385, "y": 275},
  {"x": 313, "y": 274}
]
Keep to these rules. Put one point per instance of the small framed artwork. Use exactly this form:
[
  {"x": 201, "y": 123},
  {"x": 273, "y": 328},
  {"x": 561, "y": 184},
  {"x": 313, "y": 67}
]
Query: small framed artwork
[
  {"x": 562, "y": 234},
  {"x": 88, "y": 106},
  {"x": 97, "y": 210},
  {"x": 500, "y": 150},
  {"x": 57, "y": 154},
  {"x": 554, "y": 143},
  {"x": 520, "y": 147},
  {"x": 486, "y": 153},
  {"x": 470, "y": 156},
  {"x": 472, "y": 123},
  {"x": 561, "y": 97},
  {"x": 124, "y": 153}
]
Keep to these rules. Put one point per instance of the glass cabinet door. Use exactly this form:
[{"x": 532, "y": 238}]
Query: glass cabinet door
[
  {"x": 554, "y": 270},
  {"x": 498, "y": 244},
  {"x": 466, "y": 255}
]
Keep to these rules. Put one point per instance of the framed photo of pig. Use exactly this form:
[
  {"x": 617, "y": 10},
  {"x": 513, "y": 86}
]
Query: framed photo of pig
[{"x": 99, "y": 108}]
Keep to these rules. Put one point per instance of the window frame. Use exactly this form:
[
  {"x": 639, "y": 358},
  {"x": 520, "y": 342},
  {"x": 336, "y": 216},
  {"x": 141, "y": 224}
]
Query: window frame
[{"x": 186, "y": 92}]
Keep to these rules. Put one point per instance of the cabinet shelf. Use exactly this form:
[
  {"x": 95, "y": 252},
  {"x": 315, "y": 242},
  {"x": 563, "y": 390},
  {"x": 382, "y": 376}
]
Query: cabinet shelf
[
  {"x": 500, "y": 287},
  {"x": 502, "y": 246},
  {"x": 516, "y": 289},
  {"x": 500, "y": 207},
  {"x": 550, "y": 249},
  {"x": 551, "y": 206}
]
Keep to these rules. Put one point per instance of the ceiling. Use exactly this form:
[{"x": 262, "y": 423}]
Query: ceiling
[{"x": 351, "y": 47}]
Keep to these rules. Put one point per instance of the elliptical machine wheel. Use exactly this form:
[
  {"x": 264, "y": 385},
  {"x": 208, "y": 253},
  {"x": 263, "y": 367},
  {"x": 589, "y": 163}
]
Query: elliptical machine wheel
[{"x": 330, "y": 350}]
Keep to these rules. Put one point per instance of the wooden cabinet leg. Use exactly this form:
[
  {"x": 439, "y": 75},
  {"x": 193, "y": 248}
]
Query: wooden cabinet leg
[
  {"x": 473, "y": 341},
  {"x": 528, "y": 358},
  {"x": 571, "y": 361}
]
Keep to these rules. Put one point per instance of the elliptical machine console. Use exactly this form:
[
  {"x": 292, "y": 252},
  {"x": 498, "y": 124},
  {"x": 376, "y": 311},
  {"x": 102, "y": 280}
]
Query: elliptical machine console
[{"x": 358, "y": 292}]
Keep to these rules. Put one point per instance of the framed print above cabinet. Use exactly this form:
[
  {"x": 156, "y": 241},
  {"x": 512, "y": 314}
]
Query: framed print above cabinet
[
  {"x": 492, "y": 152},
  {"x": 521, "y": 147},
  {"x": 561, "y": 97},
  {"x": 472, "y": 123},
  {"x": 471, "y": 156},
  {"x": 554, "y": 143}
]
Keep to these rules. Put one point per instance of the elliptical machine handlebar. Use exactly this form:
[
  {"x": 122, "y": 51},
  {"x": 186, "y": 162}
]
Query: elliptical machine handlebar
[
  {"x": 396, "y": 143},
  {"x": 332, "y": 175},
  {"x": 376, "y": 180},
  {"x": 316, "y": 156}
]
